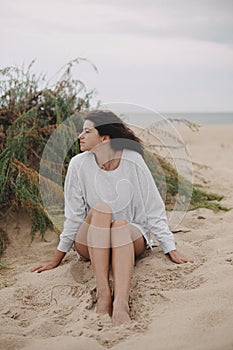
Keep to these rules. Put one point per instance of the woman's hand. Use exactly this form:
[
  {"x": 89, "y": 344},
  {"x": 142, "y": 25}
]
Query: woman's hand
[
  {"x": 179, "y": 258},
  {"x": 49, "y": 266},
  {"x": 44, "y": 267}
]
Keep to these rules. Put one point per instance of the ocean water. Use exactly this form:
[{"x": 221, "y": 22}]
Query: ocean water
[
  {"x": 143, "y": 117},
  {"x": 203, "y": 118}
]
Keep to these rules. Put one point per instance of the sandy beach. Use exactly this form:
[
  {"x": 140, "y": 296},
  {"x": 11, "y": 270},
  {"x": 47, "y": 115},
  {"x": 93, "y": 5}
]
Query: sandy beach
[{"x": 172, "y": 307}]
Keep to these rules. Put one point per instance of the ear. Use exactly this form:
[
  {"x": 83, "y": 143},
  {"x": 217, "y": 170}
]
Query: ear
[{"x": 105, "y": 138}]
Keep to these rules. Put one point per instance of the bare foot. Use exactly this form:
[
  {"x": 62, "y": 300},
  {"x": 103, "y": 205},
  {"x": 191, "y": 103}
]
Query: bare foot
[
  {"x": 104, "y": 302},
  {"x": 120, "y": 314}
]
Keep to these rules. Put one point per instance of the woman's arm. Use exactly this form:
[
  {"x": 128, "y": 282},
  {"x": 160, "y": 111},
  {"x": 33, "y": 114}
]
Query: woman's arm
[
  {"x": 156, "y": 215},
  {"x": 74, "y": 213},
  {"x": 74, "y": 206},
  {"x": 154, "y": 206}
]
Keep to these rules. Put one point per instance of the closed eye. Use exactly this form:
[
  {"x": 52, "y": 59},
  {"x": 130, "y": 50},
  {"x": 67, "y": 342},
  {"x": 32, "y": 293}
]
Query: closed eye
[{"x": 86, "y": 130}]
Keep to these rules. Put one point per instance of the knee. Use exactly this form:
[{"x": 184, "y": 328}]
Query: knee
[
  {"x": 119, "y": 223},
  {"x": 120, "y": 233}
]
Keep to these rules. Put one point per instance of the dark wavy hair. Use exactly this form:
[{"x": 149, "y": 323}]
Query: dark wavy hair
[{"x": 121, "y": 136}]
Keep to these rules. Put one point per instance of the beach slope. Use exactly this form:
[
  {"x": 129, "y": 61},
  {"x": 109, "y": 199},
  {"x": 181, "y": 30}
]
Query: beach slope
[{"x": 172, "y": 307}]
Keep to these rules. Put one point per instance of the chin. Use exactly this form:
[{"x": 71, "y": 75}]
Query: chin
[{"x": 83, "y": 148}]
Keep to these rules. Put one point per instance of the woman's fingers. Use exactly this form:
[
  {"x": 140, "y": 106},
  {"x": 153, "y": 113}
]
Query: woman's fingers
[
  {"x": 40, "y": 268},
  {"x": 44, "y": 267},
  {"x": 36, "y": 268}
]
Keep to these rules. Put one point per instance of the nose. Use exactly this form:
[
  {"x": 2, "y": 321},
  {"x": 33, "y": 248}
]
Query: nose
[{"x": 81, "y": 134}]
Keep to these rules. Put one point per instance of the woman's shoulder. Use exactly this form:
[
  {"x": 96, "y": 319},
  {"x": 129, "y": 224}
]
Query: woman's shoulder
[
  {"x": 136, "y": 160},
  {"x": 132, "y": 155},
  {"x": 80, "y": 158}
]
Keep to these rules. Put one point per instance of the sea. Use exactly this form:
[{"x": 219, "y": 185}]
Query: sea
[
  {"x": 203, "y": 118},
  {"x": 145, "y": 118}
]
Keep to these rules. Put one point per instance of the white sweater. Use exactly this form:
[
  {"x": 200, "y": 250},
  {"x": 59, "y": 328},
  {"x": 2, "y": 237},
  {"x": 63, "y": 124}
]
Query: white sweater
[{"x": 129, "y": 190}]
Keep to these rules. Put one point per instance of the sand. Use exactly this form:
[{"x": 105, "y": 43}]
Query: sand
[{"x": 172, "y": 306}]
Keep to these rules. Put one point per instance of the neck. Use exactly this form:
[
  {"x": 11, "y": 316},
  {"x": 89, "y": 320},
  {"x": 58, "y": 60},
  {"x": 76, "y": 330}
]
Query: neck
[{"x": 107, "y": 158}]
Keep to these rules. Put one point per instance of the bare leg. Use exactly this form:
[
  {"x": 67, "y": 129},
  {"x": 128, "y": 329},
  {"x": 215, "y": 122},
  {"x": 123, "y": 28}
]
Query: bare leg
[
  {"x": 127, "y": 242},
  {"x": 96, "y": 229}
]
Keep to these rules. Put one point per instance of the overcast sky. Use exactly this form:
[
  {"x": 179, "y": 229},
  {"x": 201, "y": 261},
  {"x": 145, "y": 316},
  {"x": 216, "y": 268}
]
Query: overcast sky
[{"x": 174, "y": 55}]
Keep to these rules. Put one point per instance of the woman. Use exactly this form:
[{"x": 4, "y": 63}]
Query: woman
[{"x": 112, "y": 205}]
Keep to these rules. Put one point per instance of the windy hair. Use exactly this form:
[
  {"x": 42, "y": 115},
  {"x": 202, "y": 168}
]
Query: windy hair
[{"x": 121, "y": 136}]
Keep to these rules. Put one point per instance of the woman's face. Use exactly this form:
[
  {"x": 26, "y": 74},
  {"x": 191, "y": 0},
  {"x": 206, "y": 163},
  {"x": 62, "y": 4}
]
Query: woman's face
[{"x": 89, "y": 137}]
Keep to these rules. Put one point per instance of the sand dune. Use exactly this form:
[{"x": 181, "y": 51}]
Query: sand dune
[{"x": 172, "y": 306}]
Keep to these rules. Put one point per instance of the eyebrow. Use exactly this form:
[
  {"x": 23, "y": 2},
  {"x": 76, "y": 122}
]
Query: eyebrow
[{"x": 88, "y": 129}]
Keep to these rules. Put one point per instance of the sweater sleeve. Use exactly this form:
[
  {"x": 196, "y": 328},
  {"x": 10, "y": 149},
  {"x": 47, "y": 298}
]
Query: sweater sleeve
[
  {"x": 74, "y": 208},
  {"x": 155, "y": 209}
]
